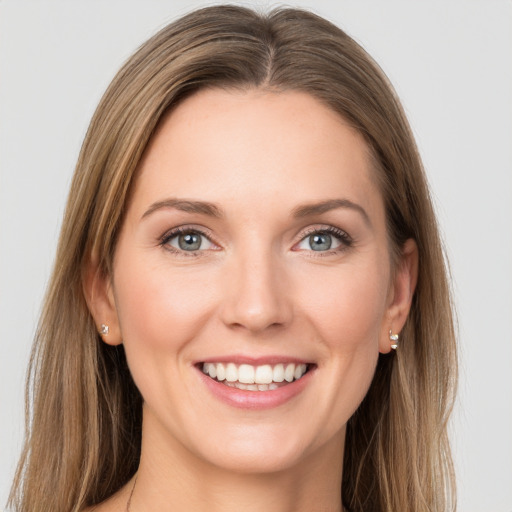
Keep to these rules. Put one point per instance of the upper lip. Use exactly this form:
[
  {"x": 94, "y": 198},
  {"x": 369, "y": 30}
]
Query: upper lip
[{"x": 255, "y": 361}]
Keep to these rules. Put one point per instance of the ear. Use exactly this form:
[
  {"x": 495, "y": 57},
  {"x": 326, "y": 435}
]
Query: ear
[
  {"x": 100, "y": 299},
  {"x": 400, "y": 294}
]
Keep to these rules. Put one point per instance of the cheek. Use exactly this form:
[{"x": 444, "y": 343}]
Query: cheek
[
  {"x": 348, "y": 316},
  {"x": 159, "y": 310},
  {"x": 349, "y": 308}
]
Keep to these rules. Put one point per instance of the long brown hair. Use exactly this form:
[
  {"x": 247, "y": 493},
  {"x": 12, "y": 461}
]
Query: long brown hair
[{"x": 84, "y": 412}]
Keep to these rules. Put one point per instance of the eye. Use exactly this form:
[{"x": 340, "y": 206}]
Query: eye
[
  {"x": 187, "y": 240},
  {"x": 322, "y": 240},
  {"x": 319, "y": 242}
]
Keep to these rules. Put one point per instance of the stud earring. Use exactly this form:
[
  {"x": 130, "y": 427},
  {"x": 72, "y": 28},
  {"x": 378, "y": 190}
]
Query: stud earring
[
  {"x": 104, "y": 329},
  {"x": 394, "y": 340}
]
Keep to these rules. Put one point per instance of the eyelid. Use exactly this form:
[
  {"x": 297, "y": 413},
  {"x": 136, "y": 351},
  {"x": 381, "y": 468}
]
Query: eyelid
[
  {"x": 341, "y": 235},
  {"x": 324, "y": 228},
  {"x": 186, "y": 228}
]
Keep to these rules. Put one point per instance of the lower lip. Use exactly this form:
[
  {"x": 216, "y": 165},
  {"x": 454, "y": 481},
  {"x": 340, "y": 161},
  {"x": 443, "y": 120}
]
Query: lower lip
[{"x": 257, "y": 400}]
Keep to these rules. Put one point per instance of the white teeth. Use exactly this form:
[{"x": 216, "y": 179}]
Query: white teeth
[
  {"x": 221, "y": 372},
  {"x": 263, "y": 374},
  {"x": 300, "y": 370},
  {"x": 289, "y": 373},
  {"x": 246, "y": 374},
  {"x": 254, "y": 378},
  {"x": 231, "y": 373},
  {"x": 278, "y": 373}
]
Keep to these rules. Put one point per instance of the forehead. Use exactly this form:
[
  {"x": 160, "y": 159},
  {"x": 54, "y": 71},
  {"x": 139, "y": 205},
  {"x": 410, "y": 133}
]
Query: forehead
[{"x": 222, "y": 145}]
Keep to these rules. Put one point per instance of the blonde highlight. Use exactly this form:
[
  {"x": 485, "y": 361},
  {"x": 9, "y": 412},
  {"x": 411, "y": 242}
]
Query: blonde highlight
[{"x": 84, "y": 426}]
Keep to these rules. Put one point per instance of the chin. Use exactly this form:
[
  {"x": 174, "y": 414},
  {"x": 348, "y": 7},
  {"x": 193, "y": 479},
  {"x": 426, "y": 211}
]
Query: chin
[
  {"x": 265, "y": 451},
  {"x": 255, "y": 462}
]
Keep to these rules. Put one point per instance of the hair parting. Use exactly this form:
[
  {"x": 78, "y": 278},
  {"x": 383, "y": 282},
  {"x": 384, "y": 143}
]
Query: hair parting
[{"x": 84, "y": 412}]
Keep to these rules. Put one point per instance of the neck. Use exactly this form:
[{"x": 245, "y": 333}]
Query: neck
[{"x": 170, "y": 478}]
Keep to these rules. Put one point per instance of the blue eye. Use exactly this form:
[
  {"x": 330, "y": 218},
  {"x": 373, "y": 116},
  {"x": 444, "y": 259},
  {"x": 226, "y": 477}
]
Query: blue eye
[
  {"x": 322, "y": 240},
  {"x": 188, "y": 241}
]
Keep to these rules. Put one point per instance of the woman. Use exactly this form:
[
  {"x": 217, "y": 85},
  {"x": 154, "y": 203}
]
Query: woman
[{"x": 249, "y": 308}]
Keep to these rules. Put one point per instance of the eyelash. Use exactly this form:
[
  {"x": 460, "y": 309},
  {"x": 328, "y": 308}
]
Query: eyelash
[
  {"x": 183, "y": 230},
  {"x": 342, "y": 236}
]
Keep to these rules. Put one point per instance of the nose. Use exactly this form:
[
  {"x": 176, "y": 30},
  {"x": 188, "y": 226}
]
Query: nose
[{"x": 257, "y": 297}]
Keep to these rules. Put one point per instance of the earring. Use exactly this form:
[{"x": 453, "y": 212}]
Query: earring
[
  {"x": 394, "y": 340},
  {"x": 104, "y": 329}
]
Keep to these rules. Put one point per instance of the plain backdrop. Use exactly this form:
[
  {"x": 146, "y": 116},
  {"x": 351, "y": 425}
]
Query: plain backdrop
[{"x": 451, "y": 63}]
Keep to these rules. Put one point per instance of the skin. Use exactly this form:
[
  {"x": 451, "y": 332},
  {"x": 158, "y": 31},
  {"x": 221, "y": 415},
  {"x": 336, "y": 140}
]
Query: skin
[{"x": 255, "y": 288}]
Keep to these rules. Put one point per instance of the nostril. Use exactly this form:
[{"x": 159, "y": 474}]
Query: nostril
[{"x": 257, "y": 301}]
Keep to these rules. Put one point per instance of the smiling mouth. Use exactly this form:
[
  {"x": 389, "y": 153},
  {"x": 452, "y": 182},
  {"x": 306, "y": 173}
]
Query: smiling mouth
[{"x": 255, "y": 378}]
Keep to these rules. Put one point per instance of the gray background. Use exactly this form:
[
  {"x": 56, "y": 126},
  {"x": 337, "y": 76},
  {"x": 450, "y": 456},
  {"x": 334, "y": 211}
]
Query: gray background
[{"x": 451, "y": 62}]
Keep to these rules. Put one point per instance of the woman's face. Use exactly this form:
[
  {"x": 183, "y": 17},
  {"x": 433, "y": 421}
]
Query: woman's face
[{"x": 254, "y": 249}]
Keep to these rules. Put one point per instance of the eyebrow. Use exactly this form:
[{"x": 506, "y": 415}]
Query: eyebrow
[
  {"x": 212, "y": 210},
  {"x": 185, "y": 205},
  {"x": 308, "y": 210}
]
